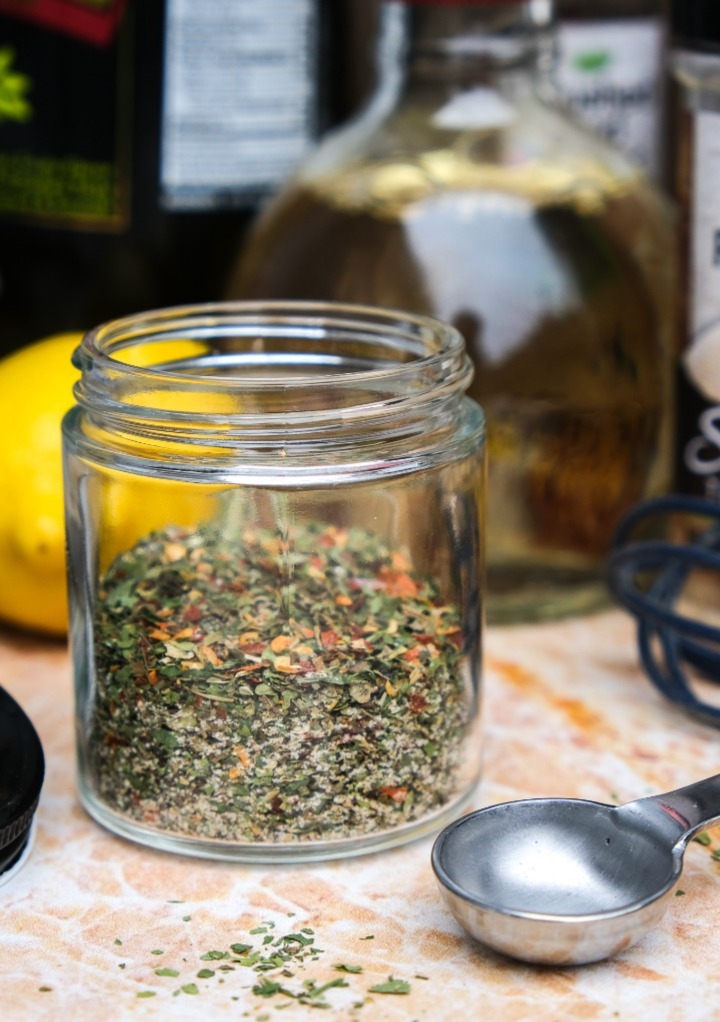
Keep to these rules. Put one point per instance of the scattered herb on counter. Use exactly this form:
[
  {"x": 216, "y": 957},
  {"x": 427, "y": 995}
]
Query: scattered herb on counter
[
  {"x": 262, "y": 688},
  {"x": 391, "y": 986},
  {"x": 272, "y": 964}
]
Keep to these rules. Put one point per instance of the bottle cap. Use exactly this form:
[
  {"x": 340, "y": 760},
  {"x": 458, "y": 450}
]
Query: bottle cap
[
  {"x": 22, "y": 768},
  {"x": 695, "y": 21}
]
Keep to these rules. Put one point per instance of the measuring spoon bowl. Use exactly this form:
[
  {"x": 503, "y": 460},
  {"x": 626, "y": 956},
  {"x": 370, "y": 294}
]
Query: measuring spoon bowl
[{"x": 568, "y": 881}]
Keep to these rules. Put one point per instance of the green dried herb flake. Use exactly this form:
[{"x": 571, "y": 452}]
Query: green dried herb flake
[{"x": 391, "y": 986}]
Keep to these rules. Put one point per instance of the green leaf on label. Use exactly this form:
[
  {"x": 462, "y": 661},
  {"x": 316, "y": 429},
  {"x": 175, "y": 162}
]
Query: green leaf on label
[{"x": 593, "y": 60}]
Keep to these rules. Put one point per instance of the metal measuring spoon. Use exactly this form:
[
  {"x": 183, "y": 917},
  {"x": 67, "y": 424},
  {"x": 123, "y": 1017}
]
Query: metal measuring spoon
[{"x": 566, "y": 881}]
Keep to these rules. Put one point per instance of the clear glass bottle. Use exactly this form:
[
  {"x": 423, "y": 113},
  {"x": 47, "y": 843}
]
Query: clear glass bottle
[
  {"x": 465, "y": 191},
  {"x": 612, "y": 66},
  {"x": 695, "y": 123},
  {"x": 274, "y": 518}
]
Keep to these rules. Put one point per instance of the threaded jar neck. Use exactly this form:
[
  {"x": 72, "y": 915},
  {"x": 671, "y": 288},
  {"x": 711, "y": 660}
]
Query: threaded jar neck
[{"x": 250, "y": 380}]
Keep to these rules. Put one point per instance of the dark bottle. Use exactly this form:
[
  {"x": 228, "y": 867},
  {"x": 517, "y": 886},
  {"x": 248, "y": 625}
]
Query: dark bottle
[
  {"x": 695, "y": 122},
  {"x": 135, "y": 140},
  {"x": 463, "y": 190}
]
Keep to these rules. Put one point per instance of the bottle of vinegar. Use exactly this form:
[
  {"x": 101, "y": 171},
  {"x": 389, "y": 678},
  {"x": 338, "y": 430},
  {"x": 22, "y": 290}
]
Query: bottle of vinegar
[{"x": 464, "y": 190}]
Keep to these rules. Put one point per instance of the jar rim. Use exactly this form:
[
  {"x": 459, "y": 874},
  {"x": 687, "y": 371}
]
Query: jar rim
[{"x": 311, "y": 319}]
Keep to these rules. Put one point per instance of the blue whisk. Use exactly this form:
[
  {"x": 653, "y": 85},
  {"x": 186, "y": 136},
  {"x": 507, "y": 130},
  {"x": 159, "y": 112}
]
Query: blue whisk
[{"x": 648, "y": 578}]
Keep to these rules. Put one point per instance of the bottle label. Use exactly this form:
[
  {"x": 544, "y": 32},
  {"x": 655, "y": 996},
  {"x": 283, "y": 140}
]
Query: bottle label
[
  {"x": 611, "y": 71},
  {"x": 240, "y": 98},
  {"x": 61, "y": 147},
  {"x": 701, "y": 360}
]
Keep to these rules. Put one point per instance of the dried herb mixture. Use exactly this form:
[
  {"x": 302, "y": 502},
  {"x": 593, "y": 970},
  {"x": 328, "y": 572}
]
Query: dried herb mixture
[{"x": 266, "y": 688}]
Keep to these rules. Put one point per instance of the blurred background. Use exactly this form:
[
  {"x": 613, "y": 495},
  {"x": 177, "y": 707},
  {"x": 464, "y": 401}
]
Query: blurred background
[
  {"x": 546, "y": 176},
  {"x": 144, "y": 136}
]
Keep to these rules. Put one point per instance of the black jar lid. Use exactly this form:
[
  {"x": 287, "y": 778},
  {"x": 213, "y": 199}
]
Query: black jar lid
[
  {"x": 696, "y": 21},
  {"x": 22, "y": 768}
]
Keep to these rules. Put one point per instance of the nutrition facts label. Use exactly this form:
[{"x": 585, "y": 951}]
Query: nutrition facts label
[{"x": 240, "y": 98}]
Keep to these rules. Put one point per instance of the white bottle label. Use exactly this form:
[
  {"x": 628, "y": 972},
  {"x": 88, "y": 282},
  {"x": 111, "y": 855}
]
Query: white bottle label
[
  {"x": 239, "y": 100},
  {"x": 702, "y": 356},
  {"x": 611, "y": 71}
]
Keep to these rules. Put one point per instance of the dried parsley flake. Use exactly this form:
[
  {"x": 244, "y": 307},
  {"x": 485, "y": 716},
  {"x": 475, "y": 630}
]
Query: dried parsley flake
[{"x": 391, "y": 986}]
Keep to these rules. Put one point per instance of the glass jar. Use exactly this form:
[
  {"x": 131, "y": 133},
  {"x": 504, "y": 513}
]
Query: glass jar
[
  {"x": 274, "y": 517},
  {"x": 465, "y": 191}
]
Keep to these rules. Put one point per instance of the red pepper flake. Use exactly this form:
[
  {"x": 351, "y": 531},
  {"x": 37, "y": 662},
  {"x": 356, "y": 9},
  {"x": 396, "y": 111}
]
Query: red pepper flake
[
  {"x": 396, "y": 794},
  {"x": 411, "y": 655},
  {"x": 329, "y": 638},
  {"x": 253, "y": 648},
  {"x": 153, "y": 676},
  {"x": 210, "y": 655},
  {"x": 456, "y": 638},
  {"x": 417, "y": 702},
  {"x": 398, "y": 583},
  {"x": 193, "y": 613}
]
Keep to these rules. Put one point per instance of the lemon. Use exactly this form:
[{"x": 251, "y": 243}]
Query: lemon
[{"x": 35, "y": 392}]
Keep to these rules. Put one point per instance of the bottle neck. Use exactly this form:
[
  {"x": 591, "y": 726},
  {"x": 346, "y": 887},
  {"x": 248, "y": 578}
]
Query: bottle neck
[{"x": 466, "y": 44}]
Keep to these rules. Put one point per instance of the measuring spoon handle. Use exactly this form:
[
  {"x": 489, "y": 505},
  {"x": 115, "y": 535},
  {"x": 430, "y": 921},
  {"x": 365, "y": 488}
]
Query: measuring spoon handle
[{"x": 683, "y": 811}]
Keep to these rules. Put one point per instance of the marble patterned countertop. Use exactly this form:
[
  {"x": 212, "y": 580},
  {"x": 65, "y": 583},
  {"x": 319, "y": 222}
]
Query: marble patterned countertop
[{"x": 85, "y": 924}]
